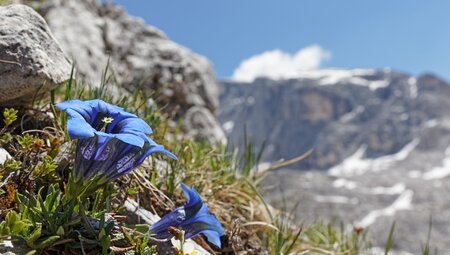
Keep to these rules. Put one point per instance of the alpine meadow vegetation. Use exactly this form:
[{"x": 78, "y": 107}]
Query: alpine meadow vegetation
[{"x": 80, "y": 156}]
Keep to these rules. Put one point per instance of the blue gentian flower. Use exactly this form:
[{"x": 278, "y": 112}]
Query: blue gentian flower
[
  {"x": 194, "y": 218},
  {"x": 111, "y": 142}
]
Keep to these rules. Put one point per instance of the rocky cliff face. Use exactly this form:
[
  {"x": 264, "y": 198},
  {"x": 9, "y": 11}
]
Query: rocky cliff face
[
  {"x": 334, "y": 112},
  {"x": 140, "y": 56},
  {"x": 381, "y": 143}
]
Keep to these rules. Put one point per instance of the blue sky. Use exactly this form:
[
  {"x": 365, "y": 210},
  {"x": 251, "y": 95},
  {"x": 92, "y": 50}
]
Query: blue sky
[{"x": 411, "y": 36}]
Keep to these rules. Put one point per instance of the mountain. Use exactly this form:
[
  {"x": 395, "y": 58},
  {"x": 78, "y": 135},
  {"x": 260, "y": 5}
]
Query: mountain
[{"x": 380, "y": 141}]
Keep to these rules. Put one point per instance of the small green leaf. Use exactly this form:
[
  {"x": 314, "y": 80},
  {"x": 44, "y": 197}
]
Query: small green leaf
[
  {"x": 23, "y": 200},
  {"x": 143, "y": 228},
  {"x": 87, "y": 240},
  {"x": 47, "y": 242},
  {"x": 11, "y": 219},
  {"x": 25, "y": 141},
  {"x": 34, "y": 236},
  {"x": 9, "y": 116},
  {"x": 18, "y": 227},
  {"x": 53, "y": 198},
  {"x": 102, "y": 234},
  {"x": 390, "y": 240},
  {"x": 6, "y": 231},
  {"x": 6, "y": 138},
  {"x": 105, "y": 245},
  {"x": 31, "y": 252},
  {"x": 60, "y": 231}
]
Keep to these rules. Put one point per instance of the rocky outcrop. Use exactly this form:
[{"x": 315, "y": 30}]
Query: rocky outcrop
[
  {"x": 201, "y": 123},
  {"x": 31, "y": 61},
  {"x": 139, "y": 55}
]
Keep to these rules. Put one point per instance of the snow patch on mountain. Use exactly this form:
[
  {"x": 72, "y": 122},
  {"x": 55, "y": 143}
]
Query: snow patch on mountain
[
  {"x": 412, "y": 81},
  {"x": 403, "y": 202},
  {"x": 336, "y": 199},
  {"x": 441, "y": 171},
  {"x": 351, "y": 115},
  {"x": 344, "y": 183},
  {"x": 398, "y": 188},
  {"x": 356, "y": 164}
]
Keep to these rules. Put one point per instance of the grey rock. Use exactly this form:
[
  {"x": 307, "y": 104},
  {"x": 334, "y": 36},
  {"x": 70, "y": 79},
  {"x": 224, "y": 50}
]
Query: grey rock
[
  {"x": 201, "y": 124},
  {"x": 140, "y": 56},
  {"x": 31, "y": 60},
  {"x": 13, "y": 246},
  {"x": 4, "y": 155}
]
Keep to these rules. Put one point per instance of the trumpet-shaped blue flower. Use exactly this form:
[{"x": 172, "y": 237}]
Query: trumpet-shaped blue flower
[
  {"x": 111, "y": 142},
  {"x": 194, "y": 218}
]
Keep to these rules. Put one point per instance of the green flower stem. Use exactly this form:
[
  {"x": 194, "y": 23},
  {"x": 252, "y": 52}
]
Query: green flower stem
[{"x": 80, "y": 189}]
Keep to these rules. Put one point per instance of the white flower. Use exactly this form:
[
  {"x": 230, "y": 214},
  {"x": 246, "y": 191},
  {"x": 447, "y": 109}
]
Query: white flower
[{"x": 184, "y": 248}]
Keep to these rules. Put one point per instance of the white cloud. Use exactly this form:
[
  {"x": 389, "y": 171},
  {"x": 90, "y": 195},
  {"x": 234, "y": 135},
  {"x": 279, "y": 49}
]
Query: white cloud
[{"x": 276, "y": 64}]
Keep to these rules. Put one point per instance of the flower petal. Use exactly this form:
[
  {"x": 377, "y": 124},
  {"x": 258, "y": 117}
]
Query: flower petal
[
  {"x": 192, "y": 197},
  {"x": 213, "y": 237},
  {"x": 77, "y": 127},
  {"x": 131, "y": 139},
  {"x": 79, "y": 106},
  {"x": 127, "y": 122},
  {"x": 188, "y": 248},
  {"x": 172, "y": 219},
  {"x": 153, "y": 149},
  {"x": 99, "y": 110},
  {"x": 203, "y": 218},
  {"x": 102, "y": 106},
  {"x": 156, "y": 149},
  {"x": 84, "y": 157},
  {"x": 72, "y": 104},
  {"x": 176, "y": 243},
  {"x": 106, "y": 158}
]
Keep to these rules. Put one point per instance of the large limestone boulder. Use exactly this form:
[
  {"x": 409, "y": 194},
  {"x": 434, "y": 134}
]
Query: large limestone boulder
[
  {"x": 201, "y": 123},
  {"x": 140, "y": 56},
  {"x": 31, "y": 60}
]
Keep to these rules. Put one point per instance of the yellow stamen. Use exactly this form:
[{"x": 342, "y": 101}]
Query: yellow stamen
[{"x": 107, "y": 120}]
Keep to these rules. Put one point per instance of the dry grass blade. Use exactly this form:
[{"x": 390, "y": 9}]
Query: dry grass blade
[
  {"x": 291, "y": 161},
  {"x": 11, "y": 62},
  {"x": 260, "y": 224}
]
